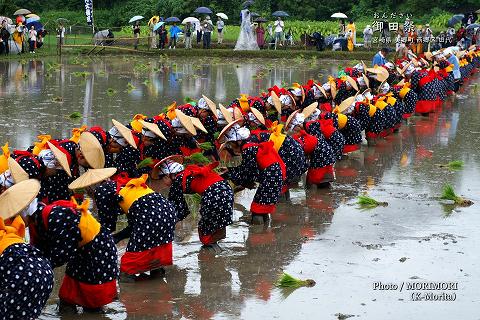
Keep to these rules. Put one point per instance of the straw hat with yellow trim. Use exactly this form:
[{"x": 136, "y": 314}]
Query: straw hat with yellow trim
[
  {"x": 153, "y": 128},
  {"x": 198, "y": 124},
  {"x": 91, "y": 177},
  {"x": 226, "y": 114},
  {"x": 367, "y": 81},
  {"x": 380, "y": 72},
  {"x": 18, "y": 197},
  {"x": 210, "y": 104},
  {"x": 125, "y": 132},
  {"x": 92, "y": 150},
  {"x": 307, "y": 112},
  {"x": 276, "y": 102},
  {"x": 61, "y": 158},
  {"x": 186, "y": 122},
  {"x": 319, "y": 87},
  {"x": 352, "y": 82},
  {"x": 228, "y": 127},
  {"x": 17, "y": 171},
  {"x": 345, "y": 104},
  {"x": 258, "y": 115}
]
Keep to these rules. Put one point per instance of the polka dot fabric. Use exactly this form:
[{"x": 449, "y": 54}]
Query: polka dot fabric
[{"x": 26, "y": 282}]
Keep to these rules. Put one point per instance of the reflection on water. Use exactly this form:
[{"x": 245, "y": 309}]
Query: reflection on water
[{"x": 320, "y": 235}]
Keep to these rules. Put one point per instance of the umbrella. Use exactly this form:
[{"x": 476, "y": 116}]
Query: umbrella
[
  {"x": 473, "y": 25},
  {"x": 20, "y": 12},
  {"x": 158, "y": 25},
  {"x": 247, "y": 4},
  {"x": 134, "y": 19},
  {"x": 36, "y": 24},
  {"x": 254, "y": 15},
  {"x": 33, "y": 18},
  {"x": 203, "y": 10},
  {"x": 62, "y": 20},
  {"x": 280, "y": 14},
  {"x": 260, "y": 20},
  {"x": 191, "y": 20},
  {"x": 455, "y": 19},
  {"x": 9, "y": 21},
  {"x": 172, "y": 19},
  {"x": 478, "y": 11},
  {"x": 339, "y": 15},
  {"x": 222, "y": 15}
]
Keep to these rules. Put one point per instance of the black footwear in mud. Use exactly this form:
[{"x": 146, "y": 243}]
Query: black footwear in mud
[
  {"x": 157, "y": 273},
  {"x": 258, "y": 219},
  {"x": 214, "y": 248},
  {"x": 66, "y": 308},
  {"x": 127, "y": 278}
]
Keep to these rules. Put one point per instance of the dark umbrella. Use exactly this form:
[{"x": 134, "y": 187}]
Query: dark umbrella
[
  {"x": 280, "y": 14},
  {"x": 473, "y": 25},
  {"x": 172, "y": 19},
  {"x": 455, "y": 19},
  {"x": 247, "y": 4},
  {"x": 254, "y": 15},
  {"x": 260, "y": 20},
  {"x": 36, "y": 24},
  {"x": 203, "y": 10}
]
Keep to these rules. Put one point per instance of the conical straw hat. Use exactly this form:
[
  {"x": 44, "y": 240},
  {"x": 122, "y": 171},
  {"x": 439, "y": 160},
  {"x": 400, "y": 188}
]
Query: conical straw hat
[
  {"x": 310, "y": 109},
  {"x": 186, "y": 122},
  {"x": 198, "y": 124},
  {"x": 210, "y": 104},
  {"x": 125, "y": 132},
  {"x": 276, "y": 102},
  {"x": 91, "y": 177},
  {"x": 352, "y": 82},
  {"x": 154, "y": 128},
  {"x": 258, "y": 115},
  {"x": 18, "y": 197},
  {"x": 228, "y": 127},
  {"x": 61, "y": 158},
  {"x": 226, "y": 114},
  {"x": 345, "y": 104},
  {"x": 92, "y": 150},
  {"x": 17, "y": 171}
]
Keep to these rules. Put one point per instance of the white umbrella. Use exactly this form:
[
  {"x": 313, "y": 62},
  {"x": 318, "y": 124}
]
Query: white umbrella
[
  {"x": 21, "y": 12},
  {"x": 222, "y": 15},
  {"x": 136, "y": 18},
  {"x": 339, "y": 15},
  {"x": 191, "y": 20}
]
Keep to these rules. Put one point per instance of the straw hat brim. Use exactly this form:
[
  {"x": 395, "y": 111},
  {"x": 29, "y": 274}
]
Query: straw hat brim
[
  {"x": 198, "y": 124},
  {"x": 186, "y": 122},
  {"x": 290, "y": 118},
  {"x": 91, "y": 177},
  {"x": 381, "y": 84},
  {"x": 366, "y": 91},
  {"x": 276, "y": 102},
  {"x": 310, "y": 109},
  {"x": 346, "y": 104},
  {"x": 364, "y": 66},
  {"x": 17, "y": 171},
  {"x": 125, "y": 132},
  {"x": 333, "y": 89},
  {"x": 472, "y": 47},
  {"x": 92, "y": 150},
  {"x": 211, "y": 105},
  {"x": 237, "y": 114},
  {"x": 367, "y": 81},
  {"x": 228, "y": 127},
  {"x": 319, "y": 87},
  {"x": 153, "y": 128},
  {"x": 176, "y": 158},
  {"x": 258, "y": 115},
  {"x": 61, "y": 158},
  {"x": 226, "y": 114},
  {"x": 352, "y": 82},
  {"x": 18, "y": 197}
]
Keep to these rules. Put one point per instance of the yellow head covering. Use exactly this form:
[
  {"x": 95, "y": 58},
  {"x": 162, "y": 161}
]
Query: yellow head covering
[
  {"x": 133, "y": 190},
  {"x": 276, "y": 135},
  {"x": 136, "y": 125},
  {"x": 76, "y": 132},
  {"x": 88, "y": 225},
  {"x": 342, "y": 120},
  {"x": 171, "y": 114},
  {"x": 42, "y": 144},
  {"x": 11, "y": 234},
  {"x": 244, "y": 102},
  {"x": 4, "y": 158}
]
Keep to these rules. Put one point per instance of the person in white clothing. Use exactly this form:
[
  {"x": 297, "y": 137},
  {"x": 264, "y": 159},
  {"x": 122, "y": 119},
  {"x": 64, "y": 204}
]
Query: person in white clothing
[
  {"x": 279, "y": 25},
  {"x": 32, "y": 35}
]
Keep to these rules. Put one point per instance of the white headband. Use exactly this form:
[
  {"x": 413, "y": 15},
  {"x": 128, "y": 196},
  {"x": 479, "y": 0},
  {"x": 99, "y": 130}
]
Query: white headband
[
  {"x": 49, "y": 160},
  {"x": 177, "y": 126},
  {"x": 170, "y": 166},
  {"x": 359, "y": 67},
  {"x": 117, "y": 137},
  {"x": 286, "y": 100},
  {"x": 237, "y": 133},
  {"x": 385, "y": 88},
  {"x": 326, "y": 86},
  {"x": 296, "y": 92},
  {"x": 314, "y": 116},
  {"x": 202, "y": 104},
  {"x": 149, "y": 134},
  {"x": 297, "y": 120},
  {"x": 6, "y": 179}
]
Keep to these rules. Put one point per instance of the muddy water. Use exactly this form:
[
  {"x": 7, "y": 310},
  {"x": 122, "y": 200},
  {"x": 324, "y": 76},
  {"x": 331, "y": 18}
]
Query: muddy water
[{"x": 321, "y": 234}]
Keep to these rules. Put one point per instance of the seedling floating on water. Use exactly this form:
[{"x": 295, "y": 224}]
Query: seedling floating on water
[
  {"x": 145, "y": 163},
  {"x": 83, "y": 74},
  {"x": 449, "y": 194},
  {"x": 75, "y": 115},
  {"x": 57, "y": 99},
  {"x": 452, "y": 165},
  {"x": 367, "y": 203},
  {"x": 287, "y": 281},
  {"x": 111, "y": 91},
  {"x": 130, "y": 87}
]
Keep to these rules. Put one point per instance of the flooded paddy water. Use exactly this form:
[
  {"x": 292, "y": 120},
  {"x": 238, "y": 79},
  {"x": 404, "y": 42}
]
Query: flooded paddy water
[{"x": 366, "y": 263}]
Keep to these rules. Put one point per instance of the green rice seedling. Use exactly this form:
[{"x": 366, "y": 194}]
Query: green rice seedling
[
  {"x": 57, "y": 99},
  {"x": 130, "y": 87},
  {"x": 449, "y": 194},
  {"x": 196, "y": 158},
  {"x": 452, "y": 165},
  {"x": 75, "y": 115},
  {"x": 145, "y": 163},
  {"x": 206, "y": 146},
  {"x": 367, "y": 202},
  {"x": 287, "y": 281},
  {"x": 111, "y": 92}
]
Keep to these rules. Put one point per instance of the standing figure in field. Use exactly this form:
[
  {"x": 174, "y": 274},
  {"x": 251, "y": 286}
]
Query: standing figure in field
[{"x": 247, "y": 39}]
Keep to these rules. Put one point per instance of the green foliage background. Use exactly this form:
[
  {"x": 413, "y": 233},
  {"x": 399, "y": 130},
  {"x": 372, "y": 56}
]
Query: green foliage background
[{"x": 112, "y": 13}]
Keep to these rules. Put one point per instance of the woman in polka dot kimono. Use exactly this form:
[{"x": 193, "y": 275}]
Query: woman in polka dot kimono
[
  {"x": 27, "y": 277},
  {"x": 422, "y": 82},
  {"x": 349, "y": 128},
  {"x": 216, "y": 208},
  {"x": 318, "y": 152},
  {"x": 67, "y": 233},
  {"x": 408, "y": 97},
  {"x": 104, "y": 138},
  {"x": 260, "y": 164},
  {"x": 324, "y": 129},
  {"x": 151, "y": 223},
  {"x": 155, "y": 147},
  {"x": 126, "y": 156},
  {"x": 388, "y": 104}
]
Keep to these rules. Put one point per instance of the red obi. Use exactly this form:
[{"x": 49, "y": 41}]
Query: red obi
[
  {"x": 87, "y": 295},
  {"x": 151, "y": 259}
]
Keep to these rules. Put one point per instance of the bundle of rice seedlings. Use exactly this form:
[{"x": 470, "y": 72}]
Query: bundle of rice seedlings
[
  {"x": 111, "y": 92},
  {"x": 196, "y": 158},
  {"x": 367, "y": 202},
  {"x": 75, "y": 115},
  {"x": 147, "y": 162},
  {"x": 449, "y": 194},
  {"x": 130, "y": 87},
  {"x": 452, "y": 165},
  {"x": 206, "y": 145},
  {"x": 287, "y": 281}
]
